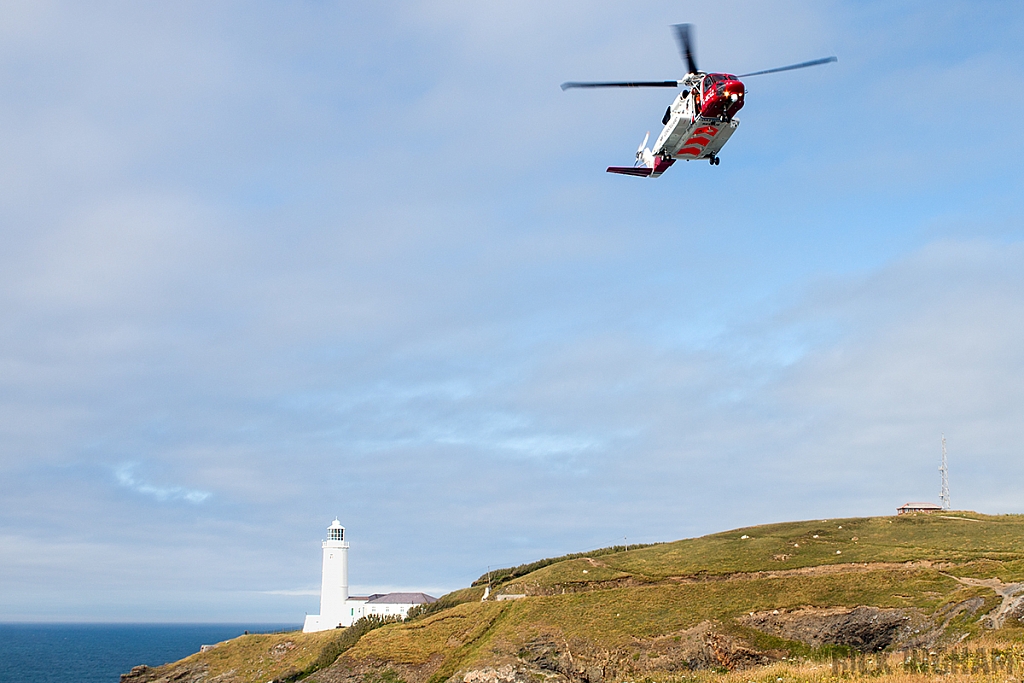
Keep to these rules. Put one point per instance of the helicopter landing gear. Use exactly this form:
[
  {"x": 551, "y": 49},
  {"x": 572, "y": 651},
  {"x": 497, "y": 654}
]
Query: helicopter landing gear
[{"x": 714, "y": 160}]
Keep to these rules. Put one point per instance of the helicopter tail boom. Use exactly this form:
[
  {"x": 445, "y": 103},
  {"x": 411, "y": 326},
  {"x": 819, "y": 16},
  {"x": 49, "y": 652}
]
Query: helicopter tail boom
[
  {"x": 641, "y": 171},
  {"x": 658, "y": 166}
]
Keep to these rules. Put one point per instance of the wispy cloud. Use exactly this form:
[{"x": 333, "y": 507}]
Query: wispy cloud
[
  {"x": 126, "y": 478},
  {"x": 292, "y": 591}
]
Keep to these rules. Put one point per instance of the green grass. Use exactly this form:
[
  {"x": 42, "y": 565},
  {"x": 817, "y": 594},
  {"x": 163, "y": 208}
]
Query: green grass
[
  {"x": 568, "y": 572},
  {"x": 498, "y": 577},
  {"x": 793, "y": 545}
]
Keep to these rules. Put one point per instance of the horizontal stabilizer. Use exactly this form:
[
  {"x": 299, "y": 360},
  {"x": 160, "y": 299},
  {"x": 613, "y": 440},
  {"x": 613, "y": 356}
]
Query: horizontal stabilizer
[{"x": 641, "y": 171}]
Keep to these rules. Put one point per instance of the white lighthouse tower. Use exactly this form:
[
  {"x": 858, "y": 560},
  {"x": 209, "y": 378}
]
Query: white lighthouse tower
[
  {"x": 333, "y": 584},
  {"x": 337, "y": 607}
]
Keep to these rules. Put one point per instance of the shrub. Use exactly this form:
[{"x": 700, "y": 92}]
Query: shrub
[
  {"x": 346, "y": 639},
  {"x": 498, "y": 577}
]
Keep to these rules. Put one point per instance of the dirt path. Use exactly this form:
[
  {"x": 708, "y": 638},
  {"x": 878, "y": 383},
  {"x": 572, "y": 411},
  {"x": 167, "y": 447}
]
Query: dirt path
[
  {"x": 817, "y": 570},
  {"x": 1011, "y": 593}
]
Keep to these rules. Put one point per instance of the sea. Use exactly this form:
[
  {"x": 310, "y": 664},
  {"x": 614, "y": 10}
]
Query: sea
[{"x": 100, "y": 653}]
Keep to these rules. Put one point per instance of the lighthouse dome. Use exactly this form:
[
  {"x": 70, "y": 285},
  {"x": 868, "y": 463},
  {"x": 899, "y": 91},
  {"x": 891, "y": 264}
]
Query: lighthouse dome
[{"x": 336, "y": 532}]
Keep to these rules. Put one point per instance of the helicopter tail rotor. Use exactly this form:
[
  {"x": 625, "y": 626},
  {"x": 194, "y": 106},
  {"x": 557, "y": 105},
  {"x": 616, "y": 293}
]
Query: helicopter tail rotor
[
  {"x": 642, "y": 148},
  {"x": 644, "y": 156}
]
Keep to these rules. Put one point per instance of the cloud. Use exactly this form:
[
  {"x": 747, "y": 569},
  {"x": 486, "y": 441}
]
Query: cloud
[
  {"x": 292, "y": 592},
  {"x": 125, "y": 477}
]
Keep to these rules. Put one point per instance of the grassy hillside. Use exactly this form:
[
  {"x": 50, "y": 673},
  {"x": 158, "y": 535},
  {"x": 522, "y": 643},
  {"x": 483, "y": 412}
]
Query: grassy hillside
[
  {"x": 748, "y": 597},
  {"x": 960, "y": 537}
]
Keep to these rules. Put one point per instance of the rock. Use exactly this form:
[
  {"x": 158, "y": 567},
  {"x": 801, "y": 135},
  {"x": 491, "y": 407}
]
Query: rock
[
  {"x": 545, "y": 654},
  {"x": 136, "y": 673},
  {"x": 867, "y": 629},
  {"x": 193, "y": 673},
  {"x": 502, "y": 674}
]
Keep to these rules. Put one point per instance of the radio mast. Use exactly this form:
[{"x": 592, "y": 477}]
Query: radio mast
[{"x": 944, "y": 469}]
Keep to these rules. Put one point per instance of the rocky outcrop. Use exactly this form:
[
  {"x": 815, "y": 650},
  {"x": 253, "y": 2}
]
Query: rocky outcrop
[
  {"x": 507, "y": 674},
  {"x": 867, "y": 629},
  {"x": 873, "y": 629},
  {"x": 184, "y": 673}
]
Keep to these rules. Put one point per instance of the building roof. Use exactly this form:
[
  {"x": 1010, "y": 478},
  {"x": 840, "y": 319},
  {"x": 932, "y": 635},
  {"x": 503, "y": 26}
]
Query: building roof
[
  {"x": 920, "y": 506},
  {"x": 400, "y": 599}
]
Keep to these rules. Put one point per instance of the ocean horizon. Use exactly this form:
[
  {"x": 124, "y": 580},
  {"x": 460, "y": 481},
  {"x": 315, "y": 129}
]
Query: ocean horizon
[{"x": 100, "y": 653}]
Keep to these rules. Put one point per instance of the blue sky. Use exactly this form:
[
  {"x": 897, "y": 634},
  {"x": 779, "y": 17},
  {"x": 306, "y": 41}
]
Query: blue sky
[{"x": 268, "y": 263}]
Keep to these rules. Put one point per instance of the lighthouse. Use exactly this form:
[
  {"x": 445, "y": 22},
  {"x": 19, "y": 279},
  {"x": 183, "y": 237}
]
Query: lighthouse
[
  {"x": 337, "y": 607},
  {"x": 333, "y": 583}
]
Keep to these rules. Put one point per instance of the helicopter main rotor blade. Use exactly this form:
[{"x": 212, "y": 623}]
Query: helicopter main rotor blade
[
  {"x": 686, "y": 46},
  {"x": 623, "y": 84},
  {"x": 801, "y": 65}
]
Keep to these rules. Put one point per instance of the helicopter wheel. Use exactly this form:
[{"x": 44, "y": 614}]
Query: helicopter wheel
[{"x": 717, "y": 161}]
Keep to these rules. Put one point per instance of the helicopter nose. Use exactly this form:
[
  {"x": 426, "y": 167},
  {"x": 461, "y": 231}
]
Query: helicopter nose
[{"x": 733, "y": 90}]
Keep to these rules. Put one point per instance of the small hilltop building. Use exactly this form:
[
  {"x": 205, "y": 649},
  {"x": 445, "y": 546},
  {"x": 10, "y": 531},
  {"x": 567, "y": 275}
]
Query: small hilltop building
[
  {"x": 911, "y": 508},
  {"x": 337, "y": 607}
]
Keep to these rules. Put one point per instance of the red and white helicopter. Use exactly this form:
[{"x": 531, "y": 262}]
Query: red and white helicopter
[{"x": 700, "y": 120}]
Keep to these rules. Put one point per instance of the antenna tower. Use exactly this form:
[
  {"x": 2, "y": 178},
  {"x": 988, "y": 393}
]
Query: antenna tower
[{"x": 944, "y": 469}]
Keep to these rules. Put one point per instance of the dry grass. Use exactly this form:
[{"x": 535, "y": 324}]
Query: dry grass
[
  {"x": 416, "y": 642},
  {"x": 809, "y": 672},
  {"x": 263, "y": 657},
  {"x": 959, "y": 666}
]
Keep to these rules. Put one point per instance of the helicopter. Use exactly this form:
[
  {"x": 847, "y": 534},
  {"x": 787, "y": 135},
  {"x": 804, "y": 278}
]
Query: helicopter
[{"x": 700, "y": 120}]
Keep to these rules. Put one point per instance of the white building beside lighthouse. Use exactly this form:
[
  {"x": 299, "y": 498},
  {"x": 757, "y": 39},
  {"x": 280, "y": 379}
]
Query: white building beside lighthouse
[{"x": 337, "y": 607}]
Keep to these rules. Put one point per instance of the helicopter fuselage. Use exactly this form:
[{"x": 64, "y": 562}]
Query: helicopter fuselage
[
  {"x": 697, "y": 125},
  {"x": 701, "y": 120}
]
